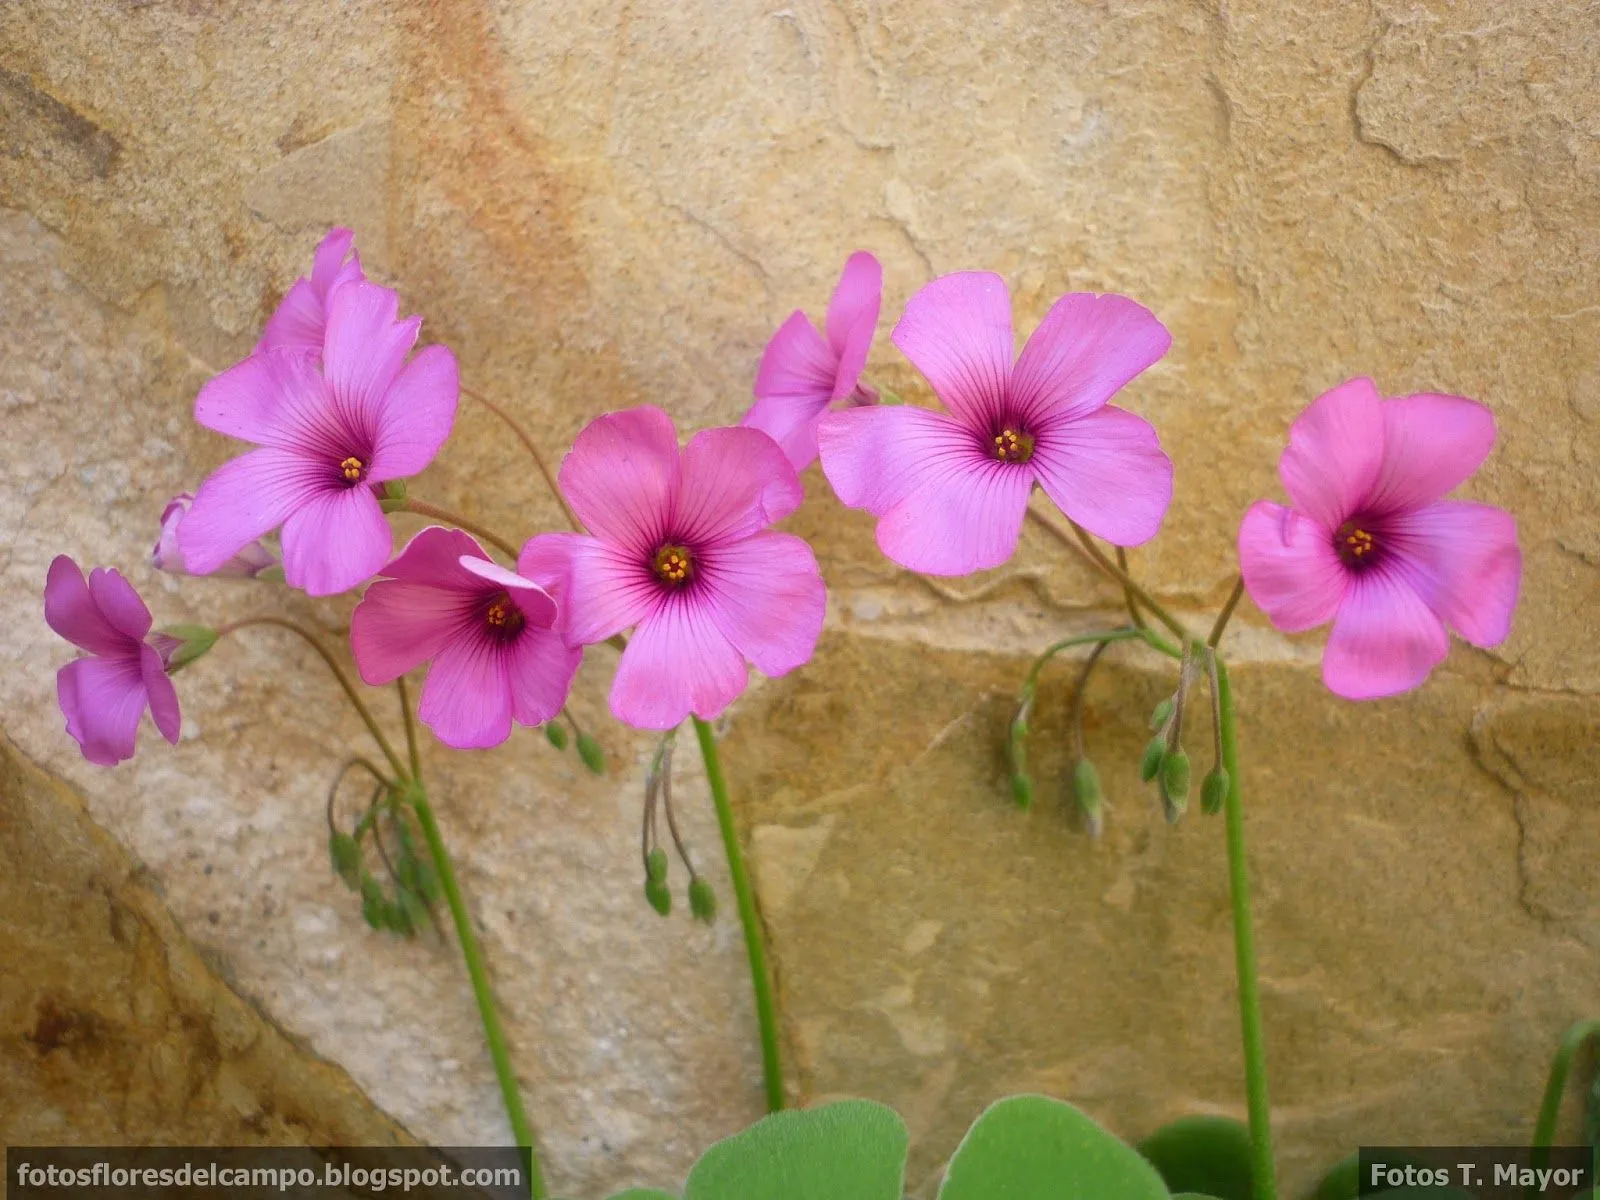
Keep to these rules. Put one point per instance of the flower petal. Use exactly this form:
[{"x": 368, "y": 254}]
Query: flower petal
[
  {"x": 536, "y": 604},
  {"x": 877, "y": 456},
  {"x": 547, "y": 560},
  {"x": 1463, "y": 560},
  {"x": 1085, "y": 349},
  {"x": 1385, "y": 639},
  {"x": 766, "y": 595},
  {"x": 968, "y": 521},
  {"x": 608, "y": 589},
  {"x": 1107, "y": 472},
  {"x": 853, "y": 319},
  {"x": 793, "y": 388},
  {"x": 791, "y": 421},
  {"x": 735, "y": 482},
  {"x": 1289, "y": 567},
  {"x": 102, "y": 700},
  {"x": 400, "y": 624},
  {"x": 72, "y": 612},
  {"x": 417, "y": 414},
  {"x": 276, "y": 398},
  {"x": 466, "y": 699},
  {"x": 297, "y": 324},
  {"x": 240, "y": 501},
  {"x": 957, "y": 332},
  {"x": 1335, "y": 449},
  {"x": 117, "y": 601},
  {"x": 161, "y": 695},
  {"x": 363, "y": 350},
  {"x": 327, "y": 263},
  {"x": 621, "y": 476},
  {"x": 1431, "y": 444},
  {"x": 677, "y": 662},
  {"x": 335, "y": 540},
  {"x": 540, "y": 667}
]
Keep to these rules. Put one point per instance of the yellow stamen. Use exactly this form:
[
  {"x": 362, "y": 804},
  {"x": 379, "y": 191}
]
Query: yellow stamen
[
  {"x": 673, "y": 565},
  {"x": 1013, "y": 445},
  {"x": 351, "y": 468},
  {"x": 503, "y": 616}
]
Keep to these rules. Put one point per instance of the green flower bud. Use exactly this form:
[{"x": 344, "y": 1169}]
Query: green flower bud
[
  {"x": 396, "y": 919},
  {"x": 1086, "y": 789},
  {"x": 427, "y": 881},
  {"x": 702, "y": 900},
  {"x": 417, "y": 916},
  {"x": 1150, "y": 764},
  {"x": 180, "y": 645},
  {"x": 1214, "y": 792},
  {"x": 593, "y": 757},
  {"x": 1175, "y": 778},
  {"x": 1158, "y": 718},
  {"x": 1022, "y": 789},
  {"x": 655, "y": 865},
  {"x": 555, "y": 735},
  {"x": 393, "y": 498},
  {"x": 345, "y": 854},
  {"x": 655, "y": 891},
  {"x": 372, "y": 902}
]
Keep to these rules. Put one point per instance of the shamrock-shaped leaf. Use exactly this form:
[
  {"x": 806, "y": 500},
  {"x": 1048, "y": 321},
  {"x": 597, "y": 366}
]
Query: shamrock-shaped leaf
[
  {"x": 1207, "y": 1155},
  {"x": 852, "y": 1150}
]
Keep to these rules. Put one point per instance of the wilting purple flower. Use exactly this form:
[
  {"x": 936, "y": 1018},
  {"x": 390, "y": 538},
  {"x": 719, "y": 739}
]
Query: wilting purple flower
[
  {"x": 251, "y": 560},
  {"x": 301, "y": 319},
  {"x": 328, "y": 437},
  {"x": 681, "y": 550},
  {"x": 802, "y": 373},
  {"x": 487, "y": 631},
  {"x": 1370, "y": 543},
  {"x": 952, "y": 490},
  {"x": 104, "y": 695}
]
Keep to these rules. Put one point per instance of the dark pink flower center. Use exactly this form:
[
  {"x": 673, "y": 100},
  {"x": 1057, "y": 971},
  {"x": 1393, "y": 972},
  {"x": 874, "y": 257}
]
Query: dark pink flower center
[
  {"x": 1357, "y": 544},
  {"x": 502, "y": 619},
  {"x": 1011, "y": 443},
  {"x": 673, "y": 564}
]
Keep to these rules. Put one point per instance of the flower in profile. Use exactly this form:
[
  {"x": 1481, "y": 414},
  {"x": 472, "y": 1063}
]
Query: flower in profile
[
  {"x": 951, "y": 490},
  {"x": 802, "y": 373},
  {"x": 681, "y": 552},
  {"x": 104, "y": 695},
  {"x": 328, "y": 437},
  {"x": 488, "y": 632},
  {"x": 252, "y": 558},
  {"x": 301, "y": 319},
  {"x": 1371, "y": 545}
]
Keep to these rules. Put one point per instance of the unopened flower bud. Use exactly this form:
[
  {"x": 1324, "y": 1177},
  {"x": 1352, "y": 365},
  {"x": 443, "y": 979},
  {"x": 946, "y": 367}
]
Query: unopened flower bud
[
  {"x": 1175, "y": 778},
  {"x": 180, "y": 645},
  {"x": 702, "y": 900},
  {"x": 345, "y": 855},
  {"x": 393, "y": 498},
  {"x": 1150, "y": 764},
  {"x": 593, "y": 757},
  {"x": 372, "y": 902},
  {"x": 655, "y": 865},
  {"x": 1022, "y": 789},
  {"x": 1214, "y": 791},
  {"x": 1086, "y": 790},
  {"x": 1162, "y": 711},
  {"x": 251, "y": 560},
  {"x": 657, "y": 893},
  {"x": 555, "y": 735}
]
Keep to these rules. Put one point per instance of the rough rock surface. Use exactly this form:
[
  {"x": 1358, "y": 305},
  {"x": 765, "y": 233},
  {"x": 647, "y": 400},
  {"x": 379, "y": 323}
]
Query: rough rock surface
[{"x": 609, "y": 203}]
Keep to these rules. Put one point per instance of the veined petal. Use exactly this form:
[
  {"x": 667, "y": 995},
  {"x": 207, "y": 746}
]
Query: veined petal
[
  {"x": 1431, "y": 444},
  {"x": 1334, "y": 453},
  {"x": 621, "y": 476},
  {"x": 538, "y": 607},
  {"x": 735, "y": 482},
  {"x": 877, "y": 456},
  {"x": 416, "y": 416},
  {"x": 957, "y": 332},
  {"x": 119, "y": 603},
  {"x": 1107, "y": 472},
  {"x": 433, "y": 557},
  {"x": 607, "y": 588},
  {"x": 240, "y": 501},
  {"x": 1085, "y": 349},
  {"x": 363, "y": 350},
  {"x": 791, "y": 421},
  {"x": 539, "y": 666},
  {"x": 160, "y": 694},
  {"x": 72, "y": 612},
  {"x": 466, "y": 699},
  {"x": 335, "y": 540},
  {"x": 1385, "y": 639},
  {"x": 677, "y": 662},
  {"x": 766, "y": 595},
  {"x": 1463, "y": 560},
  {"x": 547, "y": 560},
  {"x": 853, "y": 319},
  {"x": 967, "y": 521},
  {"x": 1289, "y": 567},
  {"x": 275, "y": 398},
  {"x": 102, "y": 700},
  {"x": 797, "y": 361},
  {"x": 400, "y": 624},
  {"x": 297, "y": 323},
  {"x": 327, "y": 263}
]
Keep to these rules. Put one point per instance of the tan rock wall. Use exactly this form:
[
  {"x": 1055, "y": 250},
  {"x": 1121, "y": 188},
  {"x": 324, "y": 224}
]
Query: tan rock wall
[{"x": 603, "y": 204}]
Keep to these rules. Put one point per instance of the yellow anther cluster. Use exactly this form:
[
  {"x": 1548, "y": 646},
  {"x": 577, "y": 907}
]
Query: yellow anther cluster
[{"x": 351, "y": 468}]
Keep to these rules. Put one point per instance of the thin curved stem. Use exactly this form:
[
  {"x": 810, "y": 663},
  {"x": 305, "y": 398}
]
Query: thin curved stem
[
  {"x": 412, "y": 750},
  {"x": 1544, "y": 1130},
  {"x": 1129, "y": 586},
  {"x": 532, "y": 448},
  {"x": 350, "y": 764},
  {"x": 1082, "y": 639},
  {"x": 749, "y": 918},
  {"x": 450, "y": 518},
  {"x": 1134, "y": 615},
  {"x": 1262, "y": 1170},
  {"x": 1076, "y": 720},
  {"x": 326, "y": 655},
  {"x": 1215, "y": 638}
]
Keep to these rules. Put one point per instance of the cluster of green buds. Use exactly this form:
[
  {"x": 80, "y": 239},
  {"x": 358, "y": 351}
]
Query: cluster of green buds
[
  {"x": 1086, "y": 790},
  {"x": 658, "y": 799},
  {"x": 401, "y": 900},
  {"x": 1165, "y": 762},
  {"x": 588, "y": 749}
]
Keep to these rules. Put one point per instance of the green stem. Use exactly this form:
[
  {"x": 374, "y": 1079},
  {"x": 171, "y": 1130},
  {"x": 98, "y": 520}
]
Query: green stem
[
  {"x": 1544, "y": 1131},
  {"x": 1082, "y": 639},
  {"x": 1262, "y": 1173},
  {"x": 499, "y": 1051},
  {"x": 754, "y": 943}
]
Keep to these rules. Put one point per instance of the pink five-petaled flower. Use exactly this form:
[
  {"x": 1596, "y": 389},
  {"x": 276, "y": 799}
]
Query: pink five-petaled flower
[
  {"x": 252, "y": 558},
  {"x": 301, "y": 318},
  {"x": 103, "y": 696},
  {"x": 328, "y": 438},
  {"x": 488, "y": 631},
  {"x": 681, "y": 550},
  {"x": 952, "y": 490},
  {"x": 802, "y": 373},
  {"x": 1371, "y": 545}
]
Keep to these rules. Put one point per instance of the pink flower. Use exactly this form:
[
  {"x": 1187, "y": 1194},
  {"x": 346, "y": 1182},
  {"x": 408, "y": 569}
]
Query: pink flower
[
  {"x": 952, "y": 490},
  {"x": 328, "y": 436},
  {"x": 681, "y": 550},
  {"x": 302, "y": 317},
  {"x": 802, "y": 374},
  {"x": 103, "y": 696},
  {"x": 487, "y": 631},
  {"x": 1370, "y": 544},
  {"x": 252, "y": 559}
]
